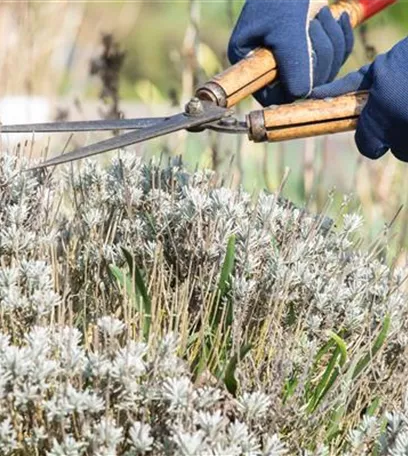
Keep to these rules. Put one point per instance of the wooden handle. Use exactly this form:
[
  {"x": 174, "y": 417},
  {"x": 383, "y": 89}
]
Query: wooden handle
[
  {"x": 307, "y": 118},
  {"x": 259, "y": 68}
]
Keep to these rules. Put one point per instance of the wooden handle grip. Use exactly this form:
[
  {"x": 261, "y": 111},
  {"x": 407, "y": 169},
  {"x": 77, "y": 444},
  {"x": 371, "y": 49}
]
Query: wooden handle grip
[
  {"x": 259, "y": 68},
  {"x": 307, "y": 118}
]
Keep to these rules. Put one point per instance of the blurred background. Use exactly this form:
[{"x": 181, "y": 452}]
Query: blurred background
[{"x": 99, "y": 59}]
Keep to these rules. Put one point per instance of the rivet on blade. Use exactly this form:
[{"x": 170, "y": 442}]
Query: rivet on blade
[
  {"x": 229, "y": 122},
  {"x": 194, "y": 107}
]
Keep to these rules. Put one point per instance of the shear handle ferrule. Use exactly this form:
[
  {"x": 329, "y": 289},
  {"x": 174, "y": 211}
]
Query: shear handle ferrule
[{"x": 306, "y": 119}]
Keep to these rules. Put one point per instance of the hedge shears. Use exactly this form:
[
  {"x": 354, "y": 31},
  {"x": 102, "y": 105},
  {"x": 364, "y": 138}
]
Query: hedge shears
[{"x": 210, "y": 109}]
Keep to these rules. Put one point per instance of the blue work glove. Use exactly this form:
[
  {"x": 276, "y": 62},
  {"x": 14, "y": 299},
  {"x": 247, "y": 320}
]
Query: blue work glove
[
  {"x": 383, "y": 124},
  {"x": 308, "y": 53}
]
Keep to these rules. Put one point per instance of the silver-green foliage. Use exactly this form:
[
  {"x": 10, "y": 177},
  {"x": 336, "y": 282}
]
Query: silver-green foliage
[
  {"x": 121, "y": 398},
  {"x": 79, "y": 374}
]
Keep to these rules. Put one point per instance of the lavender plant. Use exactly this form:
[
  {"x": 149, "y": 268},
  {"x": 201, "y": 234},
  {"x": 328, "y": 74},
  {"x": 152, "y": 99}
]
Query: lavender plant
[{"x": 81, "y": 375}]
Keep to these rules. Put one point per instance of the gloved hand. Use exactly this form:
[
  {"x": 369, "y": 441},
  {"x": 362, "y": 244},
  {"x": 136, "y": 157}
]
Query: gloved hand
[
  {"x": 383, "y": 124},
  {"x": 308, "y": 53}
]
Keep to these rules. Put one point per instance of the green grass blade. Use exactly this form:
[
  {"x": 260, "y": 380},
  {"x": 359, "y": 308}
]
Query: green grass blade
[
  {"x": 327, "y": 387},
  {"x": 123, "y": 279},
  {"x": 200, "y": 362},
  {"x": 275, "y": 245},
  {"x": 335, "y": 421},
  {"x": 227, "y": 267},
  {"x": 338, "y": 360},
  {"x": 223, "y": 288},
  {"x": 146, "y": 301},
  {"x": 323, "y": 351},
  {"x": 341, "y": 344},
  {"x": 374, "y": 406},
  {"x": 128, "y": 257},
  {"x": 230, "y": 380},
  {"x": 142, "y": 289},
  {"x": 378, "y": 343},
  {"x": 290, "y": 387},
  {"x": 339, "y": 357},
  {"x": 321, "y": 389}
]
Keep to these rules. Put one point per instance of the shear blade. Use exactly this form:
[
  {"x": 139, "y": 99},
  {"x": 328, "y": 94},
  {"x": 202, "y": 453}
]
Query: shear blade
[
  {"x": 170, "y": 125},
  {"x": 87, "y": 125}
]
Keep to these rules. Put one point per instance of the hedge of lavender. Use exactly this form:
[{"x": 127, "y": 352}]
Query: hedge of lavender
[{"x": 324, "y": 322}]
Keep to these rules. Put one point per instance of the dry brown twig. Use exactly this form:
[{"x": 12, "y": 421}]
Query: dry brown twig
[{"x": 108, "y": 67}]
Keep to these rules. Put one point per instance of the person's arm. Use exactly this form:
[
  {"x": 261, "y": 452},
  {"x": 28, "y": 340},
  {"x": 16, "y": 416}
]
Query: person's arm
[
  {"x": 308, "y": 52},
  {"x": 383, "y": 124}
]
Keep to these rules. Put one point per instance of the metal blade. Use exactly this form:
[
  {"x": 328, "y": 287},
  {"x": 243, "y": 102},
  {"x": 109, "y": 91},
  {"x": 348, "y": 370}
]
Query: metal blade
[
  {"x": 87, "y": 125},
  {"x": 170, "y": 125}
]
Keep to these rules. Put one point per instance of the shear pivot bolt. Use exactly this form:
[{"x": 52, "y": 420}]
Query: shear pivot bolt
[{"x": 194, "y": 107}]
